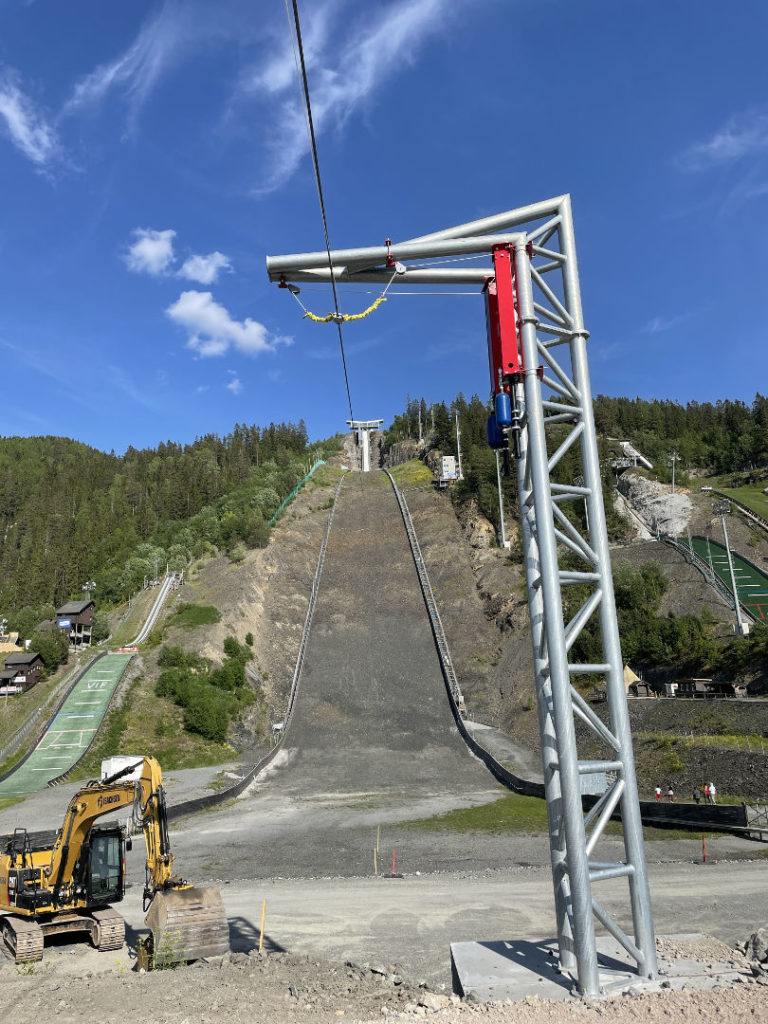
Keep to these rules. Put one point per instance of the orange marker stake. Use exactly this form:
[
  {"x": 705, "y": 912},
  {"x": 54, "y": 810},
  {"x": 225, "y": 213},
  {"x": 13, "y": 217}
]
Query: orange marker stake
[{"x": 704, "y": 849}]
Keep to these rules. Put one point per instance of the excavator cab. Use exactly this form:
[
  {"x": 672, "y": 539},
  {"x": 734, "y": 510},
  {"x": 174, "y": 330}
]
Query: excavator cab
[{"x": 106, "y": 865}]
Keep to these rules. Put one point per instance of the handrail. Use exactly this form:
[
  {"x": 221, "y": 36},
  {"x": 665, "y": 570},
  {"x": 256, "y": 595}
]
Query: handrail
[
  {"x": 498, "y": 770},
  {"x": 155, "y": 610},
  {"x": 744, "y": 508},
  {"x": 426, "y": 587},
  {"x": 311, "y": 608},
  {"x": 294, "y": 492}
]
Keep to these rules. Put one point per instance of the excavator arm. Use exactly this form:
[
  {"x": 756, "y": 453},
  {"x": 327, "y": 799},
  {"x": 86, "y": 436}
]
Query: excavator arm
[{"x": 187, "y": 922}]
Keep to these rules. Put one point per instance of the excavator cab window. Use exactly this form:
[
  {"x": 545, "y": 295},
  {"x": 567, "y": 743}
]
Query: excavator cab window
[{"x": 105, "y": 876}]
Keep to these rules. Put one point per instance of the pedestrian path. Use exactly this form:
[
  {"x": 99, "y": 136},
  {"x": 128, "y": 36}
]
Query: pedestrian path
[{"x": 72, "y": 729}]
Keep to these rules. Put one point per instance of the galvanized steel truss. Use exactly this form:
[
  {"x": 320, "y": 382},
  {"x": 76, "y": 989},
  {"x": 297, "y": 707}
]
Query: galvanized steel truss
[{"x": 554, "y": 413}]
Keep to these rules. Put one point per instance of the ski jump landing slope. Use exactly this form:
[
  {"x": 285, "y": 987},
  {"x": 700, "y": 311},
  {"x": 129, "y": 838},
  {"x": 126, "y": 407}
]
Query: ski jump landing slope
[
  {"x": 372, "y": 714},
  {"x": 71, "y": 730}
]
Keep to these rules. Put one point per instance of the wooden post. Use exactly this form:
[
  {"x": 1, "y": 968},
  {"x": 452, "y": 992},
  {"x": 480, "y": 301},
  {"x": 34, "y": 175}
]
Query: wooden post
[
  {"x": 263, "y": 918},
  {"x": 704, "y": 849},
  {"x": 375, "y": 861}
]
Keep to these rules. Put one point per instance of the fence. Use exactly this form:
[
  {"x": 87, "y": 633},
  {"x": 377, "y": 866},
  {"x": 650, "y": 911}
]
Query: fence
[
  {"x": 504, "y": 775},
  {"x": 294, "y": 492}
]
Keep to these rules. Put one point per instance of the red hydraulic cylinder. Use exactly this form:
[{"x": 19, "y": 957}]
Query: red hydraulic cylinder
[{"x": 501, "y": 323}]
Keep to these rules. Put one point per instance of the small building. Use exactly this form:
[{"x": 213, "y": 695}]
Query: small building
[
  {"x": 20, "y": 671},
  {"x": 76, "y": 620},
  {"x": 708, "y": 688},
  {"x": 635, "y": 686}
]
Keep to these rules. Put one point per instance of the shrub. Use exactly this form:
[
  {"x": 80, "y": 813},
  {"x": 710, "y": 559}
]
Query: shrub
[
  {"x": 237, "y": 554},
  {"x": 206, "y": 716}
]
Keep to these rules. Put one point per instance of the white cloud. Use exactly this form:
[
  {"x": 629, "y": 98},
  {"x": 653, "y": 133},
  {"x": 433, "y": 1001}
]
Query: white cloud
[
  {"x": 152, "y": 252},
  {"x": 26, "y": 126},
  {"x": 359, "y": 57},
  {"x": 212, "y": 331},
  {"x": 744, "y": 135},
  {"x": 205, "y": 269},
  {"x": 235, "y": 385}
]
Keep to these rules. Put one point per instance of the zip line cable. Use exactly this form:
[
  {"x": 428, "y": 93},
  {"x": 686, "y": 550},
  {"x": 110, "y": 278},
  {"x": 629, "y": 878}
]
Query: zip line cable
[{"x": 315, "y": 161}]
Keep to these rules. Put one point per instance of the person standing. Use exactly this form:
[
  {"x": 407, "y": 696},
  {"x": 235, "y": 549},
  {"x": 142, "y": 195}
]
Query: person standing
[
  {"x": 706, "y": 792},
  {"x": 657, "y": 792},
  {"x": 697, "y": 795},
  {"x": 712, "y": 793},
  {"x": 671, "y": 795}
]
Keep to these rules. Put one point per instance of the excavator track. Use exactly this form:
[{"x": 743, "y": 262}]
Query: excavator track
[
  {"x": 109, "y": 929},
  {"x": 23, "y": 939}
]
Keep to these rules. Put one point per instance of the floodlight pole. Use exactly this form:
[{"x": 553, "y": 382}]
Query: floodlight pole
[
  {"x": 674, "y": 457},
  {"x": 723, "y": 509},
  {"x": 534, "y": 245}
]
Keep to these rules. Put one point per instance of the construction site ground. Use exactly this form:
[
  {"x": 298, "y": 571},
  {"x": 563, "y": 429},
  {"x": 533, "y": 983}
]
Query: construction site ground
[{"x": 371, "y": 751}]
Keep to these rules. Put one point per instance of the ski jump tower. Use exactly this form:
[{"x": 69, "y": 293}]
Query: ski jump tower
[
  {"x": 363, "y": 429},
  {"x": 537, "y": 347}
]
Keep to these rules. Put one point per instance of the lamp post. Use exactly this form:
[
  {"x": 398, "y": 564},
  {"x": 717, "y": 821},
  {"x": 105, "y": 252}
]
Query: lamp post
[
  {"x": 672, "y": 458},
  {"x": 722, "y": 509}
]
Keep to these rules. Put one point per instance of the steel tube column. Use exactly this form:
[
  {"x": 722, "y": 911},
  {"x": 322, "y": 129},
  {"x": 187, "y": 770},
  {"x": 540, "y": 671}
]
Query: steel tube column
[
  {"x": 640, "y": 896},
  {"x": 573, "y": 822},
  {"x": 550, "y": 764}
]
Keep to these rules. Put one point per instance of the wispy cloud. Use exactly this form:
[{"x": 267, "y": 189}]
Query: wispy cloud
[
  {"x": 25, "y": 124},
  {"x": 660, "y": 324},
  {"x": 349, "y": 59},
  {"x": 162, "y": 41},
  {"x": 332, "y": 351},
  {"x": 152, "y": 251},
  {"x": 742, "y": 136},
  {"x": 212, "y": 331}
]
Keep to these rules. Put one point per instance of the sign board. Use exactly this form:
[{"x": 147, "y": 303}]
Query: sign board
[
  {"x": 64, "y": 623},
  {"x": 448, "y": 467}
]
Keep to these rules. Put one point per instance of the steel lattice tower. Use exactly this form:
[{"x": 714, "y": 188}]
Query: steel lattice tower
[{"x": 552, "y": 402}]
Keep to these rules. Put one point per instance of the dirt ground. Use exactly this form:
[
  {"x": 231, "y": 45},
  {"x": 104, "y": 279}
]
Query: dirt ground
[{"x": 340, "y": 942}]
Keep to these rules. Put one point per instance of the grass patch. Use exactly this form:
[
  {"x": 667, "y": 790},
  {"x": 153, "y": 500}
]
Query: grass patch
[
  {"x": 752, "y": 497},
  {"x": 412, "y": 474},
  {"x": 189, "y": 616},
  {"x": 510, "y": 813},
  {"x": 9, "y": 801},
  {"x": 516, "y": 813}
]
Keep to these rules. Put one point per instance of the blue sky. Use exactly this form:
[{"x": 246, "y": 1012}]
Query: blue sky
[{"x": 152, "y": 154}]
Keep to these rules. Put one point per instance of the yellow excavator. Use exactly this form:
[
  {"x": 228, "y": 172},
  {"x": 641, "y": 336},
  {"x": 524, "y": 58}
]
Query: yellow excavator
[{"x": 66, "y": 881}]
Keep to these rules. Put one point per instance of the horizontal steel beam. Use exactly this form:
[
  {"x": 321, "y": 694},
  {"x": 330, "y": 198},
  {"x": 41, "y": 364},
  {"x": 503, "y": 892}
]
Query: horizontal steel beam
[
  {"x": 376, "y": 254},
  {"x": 421, "y": 275}
]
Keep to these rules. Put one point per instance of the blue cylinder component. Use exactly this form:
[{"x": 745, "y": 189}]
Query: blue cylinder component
[
  {"x": 503, "y": 409},
  {"x": 495, "y": 437}
]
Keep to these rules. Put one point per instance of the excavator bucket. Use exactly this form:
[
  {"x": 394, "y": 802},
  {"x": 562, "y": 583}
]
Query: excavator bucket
[{"x": 187, "y": 924}]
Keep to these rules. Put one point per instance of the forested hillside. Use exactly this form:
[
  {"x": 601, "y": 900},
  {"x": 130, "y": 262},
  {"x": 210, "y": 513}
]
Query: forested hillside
[
  {"x": 722, "y": 438},
  {"x": 70, "y": 513}
]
